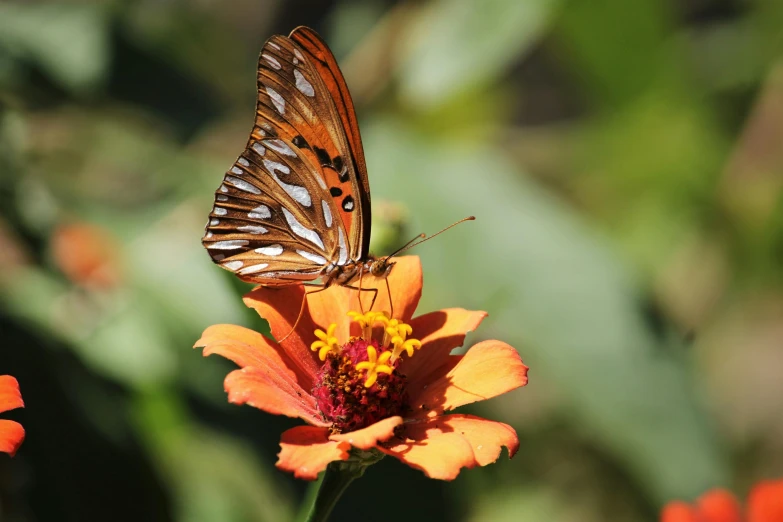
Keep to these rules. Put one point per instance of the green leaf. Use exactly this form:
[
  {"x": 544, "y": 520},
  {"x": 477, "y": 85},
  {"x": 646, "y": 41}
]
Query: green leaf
[
  {"x": 69, "y": 42},
  {"x": 459, "y": 44}
]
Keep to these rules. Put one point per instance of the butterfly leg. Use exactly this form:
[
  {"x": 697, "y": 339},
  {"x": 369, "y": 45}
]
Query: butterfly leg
[
  {"x": 360, "y": 289},
  {"x": 301, "y": 308},
  {"x": 391, "y": 303}
]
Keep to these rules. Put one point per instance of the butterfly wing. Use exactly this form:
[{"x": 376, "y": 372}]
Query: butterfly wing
[
  {"x": 297, "y": 198},
  {"x": 353, "y": 155}
]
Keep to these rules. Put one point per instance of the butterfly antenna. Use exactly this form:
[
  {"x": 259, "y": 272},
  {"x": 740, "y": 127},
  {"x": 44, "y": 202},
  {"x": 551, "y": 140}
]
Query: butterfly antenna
[{"x": 424, "y": 237}]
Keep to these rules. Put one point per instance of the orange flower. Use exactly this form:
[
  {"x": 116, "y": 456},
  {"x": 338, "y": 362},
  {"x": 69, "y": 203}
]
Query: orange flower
[
  {"x": 368, "y": 384},
  {"x": 11, "y": 433},
  {"x": 765, "y": 504}
]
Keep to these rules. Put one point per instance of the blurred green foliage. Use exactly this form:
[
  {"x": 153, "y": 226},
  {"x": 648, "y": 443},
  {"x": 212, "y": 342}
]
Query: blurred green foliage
[{"x": 623, "y": 161}]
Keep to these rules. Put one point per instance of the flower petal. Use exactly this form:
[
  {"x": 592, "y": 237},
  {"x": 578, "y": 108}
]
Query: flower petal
[
  {"x": 765, "y": 502},
  {"x": 441, "y": 446},
  {"x": 280, "y": 306},
  {"x": 439, "y": 332},
  {"x": 305, "y": 451},
  {"x": 272, "y": 391},
  {"x": 248, "y": 348},
  {"x": 486, "y": 437},
  {"x": 11, "y": 436},
  {"x": 405, "y": 282},
  {"x": 369, "y": 437},
  {"x": 679, "y": 512},
  {"x": 719, "y": 505},
  {"x": 10, "y": 397},
  {"x": 489, "y": 369},
  {"x": 439, "y": 454}
]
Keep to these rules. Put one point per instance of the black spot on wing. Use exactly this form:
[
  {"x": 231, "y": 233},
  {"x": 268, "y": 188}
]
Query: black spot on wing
[
  {"x": 335, "y": 192},
  {"x": 323, "y": 157},
  {"x": 300, "y": 142},
  {"x": 343, "y": 175},
  {"x": 337, "y": 162},
  {"x": 348, "y": 204}
]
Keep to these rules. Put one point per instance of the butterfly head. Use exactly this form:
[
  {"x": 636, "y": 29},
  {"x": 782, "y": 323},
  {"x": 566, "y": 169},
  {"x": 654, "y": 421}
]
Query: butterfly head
[{"x": 380, "y": 267}]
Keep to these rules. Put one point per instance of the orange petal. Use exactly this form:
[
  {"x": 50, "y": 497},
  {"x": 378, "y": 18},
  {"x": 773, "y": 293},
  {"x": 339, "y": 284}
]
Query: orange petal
[
  {"x": 369, "y": 437},
  {"x": 280, "y": 306},
  {"x": 11, "y": 436},
  {"x": 719, "y": 505},
  {"x": 440, "y": 455},
  {"x": 679, "y": 512},
  {"x": 405, "y": 282},
  {"x": 486, "y": 437},
  {"x": 271, "y": 391},
  {"x": 10, "y": 397},
  {"x": 305, "y": 451},
  {"x": 489, "y": 369},
  {"x": 765, "y": 502},
  {"x": 439, "y": 332},
  {"x": 441, "y": 446},
  {"x": 248, "y": 348}
]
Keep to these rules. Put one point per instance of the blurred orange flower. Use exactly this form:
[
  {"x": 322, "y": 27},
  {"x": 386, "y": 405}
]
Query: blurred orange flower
[
  {"x": 363, "y": 381},
  {"x": 87, "y": 255},
  {"x": 11, "y": 432},
  {"x": 765, "y": 504}
]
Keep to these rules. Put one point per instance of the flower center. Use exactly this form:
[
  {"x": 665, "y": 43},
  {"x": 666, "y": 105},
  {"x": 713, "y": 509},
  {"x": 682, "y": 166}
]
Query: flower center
[{"x": 358, "y": 384}]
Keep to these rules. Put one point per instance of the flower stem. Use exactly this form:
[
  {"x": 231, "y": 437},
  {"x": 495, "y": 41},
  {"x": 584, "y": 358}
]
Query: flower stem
[{"x": 336, "y": 479}]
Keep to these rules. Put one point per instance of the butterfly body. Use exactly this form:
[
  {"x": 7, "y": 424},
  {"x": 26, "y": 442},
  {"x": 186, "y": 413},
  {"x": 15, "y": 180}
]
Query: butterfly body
[{"x": 295, "y": 206}]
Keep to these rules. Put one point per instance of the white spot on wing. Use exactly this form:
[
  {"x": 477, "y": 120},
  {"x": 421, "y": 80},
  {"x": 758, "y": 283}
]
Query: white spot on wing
[
  {"x": 299, "y": 194},
  {"x": 277, "y": 100},
  {"x": 259, "y": 148},
  {"x": 272, "y": 166},
  {"x": 223, "y": 188},
  {"x": 209, "y": 235},
  {"x": 220, "y": 211},
  {"x": 302, "y": 84},
  {"x": 260, "y": 212},
  {"x": 221, "y": 197},
  {"x": 271, "y": 61},
  {"x": 348, "y": 205},
  {"x": 311, "y": 257},
  {"x": 281, "y": 147},
  {"x": 243, "y": 185},
  {"x": 243, "y": 162},
  {"x": 343, "y": 249},
  {"x": 233, "y": 265},
  {"x": 301, "y": 231},
  {"x": 236, "y": 170},
  {"x": 252, "y": 269},
  {"x": 271, "y": 250},
  {"x": 230, "y": 244},
  {"x": 214, "y": 222},
  {"x": 273, "y": 46},
  {"x": 253, "y": 229},
  {"x": 327, "y": 213},
  {"x": 298, "y": 54}
]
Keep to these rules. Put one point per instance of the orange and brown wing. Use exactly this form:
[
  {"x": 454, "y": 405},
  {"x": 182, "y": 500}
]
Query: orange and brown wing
[
  {"x": 327, "y": 69},
  {"x": 295, "y": 200}
]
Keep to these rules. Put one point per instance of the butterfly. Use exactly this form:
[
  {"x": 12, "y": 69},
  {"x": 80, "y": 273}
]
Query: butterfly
[{"x": 295, "y": 206}]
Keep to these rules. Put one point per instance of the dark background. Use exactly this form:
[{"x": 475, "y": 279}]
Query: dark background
[{"x": 624, "y": 161}]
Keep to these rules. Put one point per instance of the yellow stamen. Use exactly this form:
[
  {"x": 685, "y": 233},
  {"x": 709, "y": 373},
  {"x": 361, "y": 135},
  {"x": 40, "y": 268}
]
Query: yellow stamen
[
  {"x": 367, "y": 321},
  {"x": 403, "y": 345},
  {"x": 375, "y": 365},
  {"x": 326, "y": 342}
]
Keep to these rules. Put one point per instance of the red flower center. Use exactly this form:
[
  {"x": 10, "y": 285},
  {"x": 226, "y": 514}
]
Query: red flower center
[{"x": 344, "y": 399}]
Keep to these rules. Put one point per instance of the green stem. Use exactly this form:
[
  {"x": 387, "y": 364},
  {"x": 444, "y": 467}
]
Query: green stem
[{"x": 336, "y": 479}]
